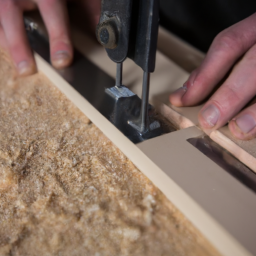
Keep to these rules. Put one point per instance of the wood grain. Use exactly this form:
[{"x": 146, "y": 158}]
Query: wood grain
[
  {"x": 222, "y": 240},
  {"x": 65, "y": 189}
]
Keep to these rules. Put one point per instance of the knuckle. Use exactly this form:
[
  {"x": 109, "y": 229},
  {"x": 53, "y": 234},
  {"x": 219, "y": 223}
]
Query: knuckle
[
  {"x": 228, "y": 40},
  {"x": 6, "y": 5},
  {"x": 58, "y": 35},
  {"x": 49, "y": 2},
  {"x": 233, "y": 94},
  {"x": 227, "y": 99}
]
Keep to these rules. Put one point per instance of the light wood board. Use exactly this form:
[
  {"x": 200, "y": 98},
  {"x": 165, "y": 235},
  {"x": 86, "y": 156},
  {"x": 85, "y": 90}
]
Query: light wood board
[
  {"x": 168, "y": 77},
  {"x": 225, "y": 243},
  {"x": 63, "y": 178}
]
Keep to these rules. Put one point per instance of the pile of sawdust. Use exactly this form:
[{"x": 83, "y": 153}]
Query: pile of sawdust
[{"x": 65, "y": 189}]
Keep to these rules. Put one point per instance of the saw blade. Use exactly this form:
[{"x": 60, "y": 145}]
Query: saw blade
[{"x": 225, "y": 160}]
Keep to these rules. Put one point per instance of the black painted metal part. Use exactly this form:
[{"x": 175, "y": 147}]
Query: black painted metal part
[
  {"x": 129, "y": 28},
  {"x": 118, "y": 104}
]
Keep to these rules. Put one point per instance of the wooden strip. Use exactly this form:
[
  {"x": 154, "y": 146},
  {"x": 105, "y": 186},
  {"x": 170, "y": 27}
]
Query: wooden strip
[
  {"x": 180, "y": 121},
  {"x": 226, "y": 244},
  {"x": 248, "y": 146},
  {"x": 217, "y": 192},
  {"x": 234, "y": 149}
]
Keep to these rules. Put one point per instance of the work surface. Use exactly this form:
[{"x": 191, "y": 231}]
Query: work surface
[
  {"x": 217, "y": 204},
  {"x": 65, "y": 189}
]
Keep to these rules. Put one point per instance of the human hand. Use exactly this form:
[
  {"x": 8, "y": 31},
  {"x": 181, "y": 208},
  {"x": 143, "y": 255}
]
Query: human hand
[
  {"x": 54, "y": 13},
  {"x": 233, "y": 49}
]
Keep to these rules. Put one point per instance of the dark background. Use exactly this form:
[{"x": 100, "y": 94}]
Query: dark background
[{"x": 199, "y": 21}]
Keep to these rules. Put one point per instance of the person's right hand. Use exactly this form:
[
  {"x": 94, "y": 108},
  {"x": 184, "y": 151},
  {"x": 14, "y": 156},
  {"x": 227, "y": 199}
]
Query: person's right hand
[
  {"x": 230, "y": 63},
  {"x": 13, "y": 37}
]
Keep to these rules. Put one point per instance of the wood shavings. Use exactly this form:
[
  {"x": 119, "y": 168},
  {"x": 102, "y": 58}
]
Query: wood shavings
[{"x": 65, "y": 189}]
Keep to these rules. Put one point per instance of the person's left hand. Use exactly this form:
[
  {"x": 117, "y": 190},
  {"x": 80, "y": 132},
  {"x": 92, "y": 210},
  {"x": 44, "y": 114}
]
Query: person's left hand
[
  {"x": 54, "y": 13},
  {"x": 233, "y": 49}
]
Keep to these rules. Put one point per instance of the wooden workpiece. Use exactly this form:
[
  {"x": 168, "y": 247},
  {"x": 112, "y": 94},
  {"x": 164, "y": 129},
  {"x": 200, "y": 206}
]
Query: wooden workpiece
[
  {"x": 168, "y": 77},
  {"x": 178, "y": 226},
  {"x": 65, "y": 189},
  {"x": 176, "y": 188}
]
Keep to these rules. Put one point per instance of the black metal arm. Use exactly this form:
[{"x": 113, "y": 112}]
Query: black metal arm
[{"x": 129, "y": 28}]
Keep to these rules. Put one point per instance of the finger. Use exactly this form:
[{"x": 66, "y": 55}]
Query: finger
[
  {"x": 225, "y": 50},
  {"x": 13, "y": 27},
  {"x": 233, "y": 95},
  {"x": 176, "y": 97},
  {"x": 93, "y": 10},
  {"x": 55, "y": 16},
  {"x": 26, "y": 5},
  {"x": 243, "y": 126},
  {"x": 3, "y": 42}
]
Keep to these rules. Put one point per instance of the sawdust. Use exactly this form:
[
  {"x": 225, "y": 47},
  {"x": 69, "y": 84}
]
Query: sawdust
[{"x": 65, "y": 189}]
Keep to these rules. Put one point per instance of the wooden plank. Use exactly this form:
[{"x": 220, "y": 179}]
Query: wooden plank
[
  {"x": 214, "y": 189},
  {"x": 167, "y": 74},
  {"x": 224, "y": 243},
  {"x": 66, "y": 189}
]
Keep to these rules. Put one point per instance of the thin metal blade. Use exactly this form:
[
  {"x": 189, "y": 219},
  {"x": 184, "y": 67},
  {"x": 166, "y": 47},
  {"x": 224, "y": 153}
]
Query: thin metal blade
[{"x": 225, "y": 160}]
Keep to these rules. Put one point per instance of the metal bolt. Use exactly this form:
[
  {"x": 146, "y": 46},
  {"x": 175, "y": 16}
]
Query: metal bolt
[
  {"x": 104, "y": 36},
  {"x": 107, "y": 35}
]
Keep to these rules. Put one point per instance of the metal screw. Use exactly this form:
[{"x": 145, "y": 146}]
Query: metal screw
[
  {"x": 104, "y": 36},
  {"x": 107, "y": 35}
]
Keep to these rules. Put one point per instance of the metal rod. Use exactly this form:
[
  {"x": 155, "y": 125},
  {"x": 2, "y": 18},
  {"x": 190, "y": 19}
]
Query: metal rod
[
  {"x": 119, "y": 74},
  {"x": 144, "y": 102}
]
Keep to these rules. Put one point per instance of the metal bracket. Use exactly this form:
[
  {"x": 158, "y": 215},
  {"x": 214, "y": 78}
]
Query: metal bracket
[{"x": 129, "y": 28}]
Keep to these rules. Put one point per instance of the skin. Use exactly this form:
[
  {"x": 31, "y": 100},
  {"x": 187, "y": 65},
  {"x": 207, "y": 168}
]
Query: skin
[
  {"x": 231, "y": 59},
  {"x": 231, "y": 63},
  {"x": 55, "y": 16}
]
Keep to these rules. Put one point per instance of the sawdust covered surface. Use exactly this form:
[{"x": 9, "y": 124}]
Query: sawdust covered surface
[{"x": 65, "y": 189}]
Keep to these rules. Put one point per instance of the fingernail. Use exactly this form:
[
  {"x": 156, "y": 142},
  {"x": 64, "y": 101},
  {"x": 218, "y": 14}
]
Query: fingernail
[
  {"x": 182, "y": 90},
  {"x": 24, "y": 68},
  {"x": 61, "y": 58},
  {"x": 211, "y": 115},
  {"x": 246, "y": 123},
  {"x": 185, "y": 86}
]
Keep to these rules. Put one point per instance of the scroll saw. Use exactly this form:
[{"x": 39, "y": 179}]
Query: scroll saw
[
  {"x": 224, "y": 190},
  {"x": 129, "y": 28}
]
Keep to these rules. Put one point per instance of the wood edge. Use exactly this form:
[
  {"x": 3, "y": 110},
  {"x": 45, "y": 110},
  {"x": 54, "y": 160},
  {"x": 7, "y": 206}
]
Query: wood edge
[
  {"x": 183, "y": 122},
  {"x": 174, "y": 117},
  {"x": 234, "y": 149},
  {"x": 215, "y": 234}
]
